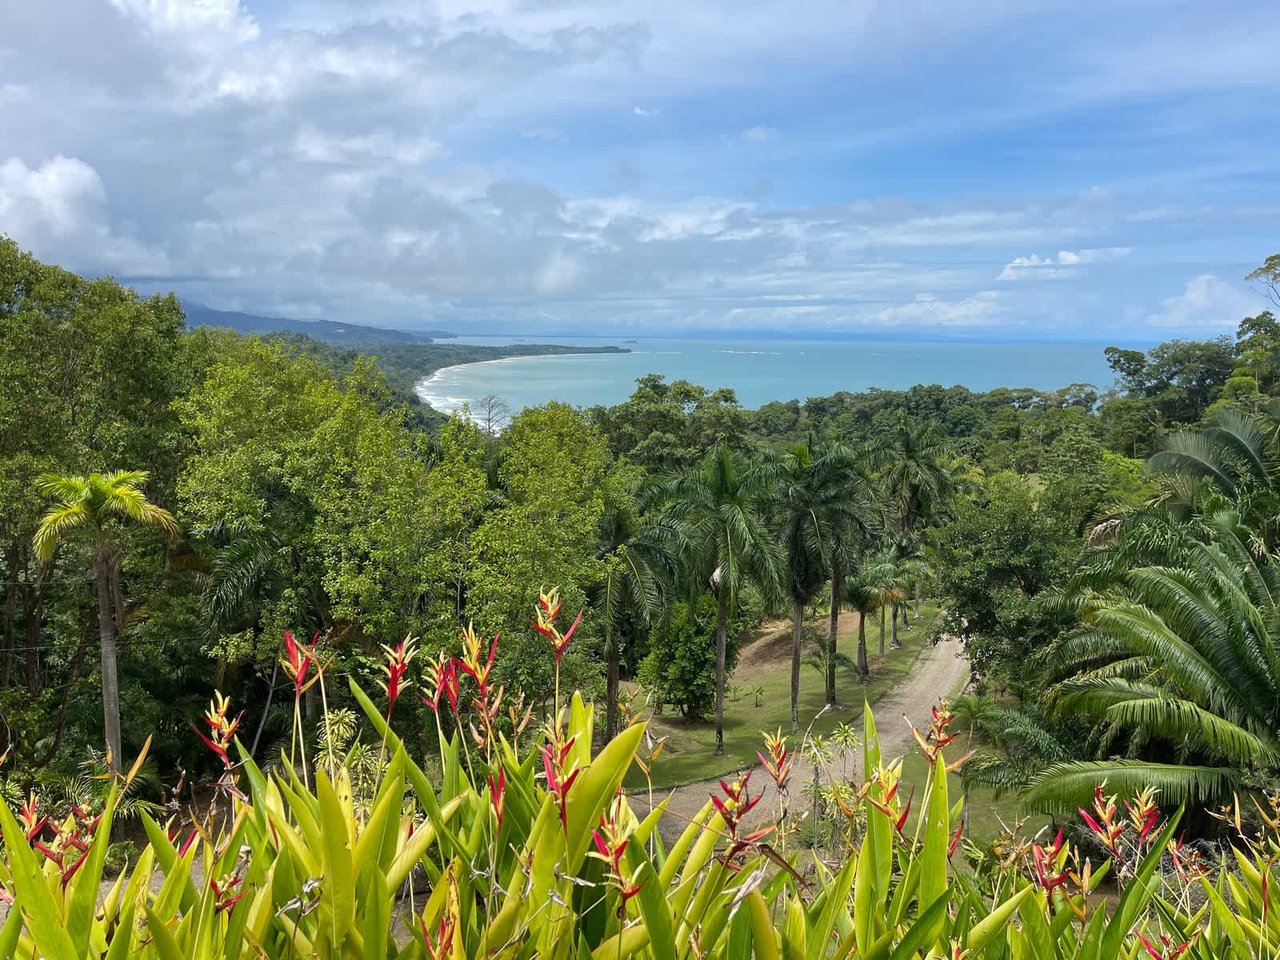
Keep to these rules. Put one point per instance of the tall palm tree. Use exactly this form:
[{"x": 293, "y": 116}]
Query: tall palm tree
[
  {"x": 639, "y": 569},
  {"x": 717, "y": 512},
  {"x": 1184, "y": 662},
  {"x": 822, "y": 500},
  {"x": 863, "y": 594},
  {"x": 917, "y": 480},
  {"x": 92, "y": 503}
]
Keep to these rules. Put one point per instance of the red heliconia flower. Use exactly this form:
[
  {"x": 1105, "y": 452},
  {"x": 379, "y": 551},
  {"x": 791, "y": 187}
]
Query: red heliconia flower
[
  {"x": 779, "y": 760},
  {"x": 1144, "y": 814},
  {"x": 32, "y": 822},
  {"x": 396, "y": 663},
  {"x": 898, "y": 818},
  {"x": 222, "y": 732},
  {"x": 297, "y": 663},
  {"x": 1170, "y": 949},
  {"x": 186, "y": 844},
  {"x": 611, "y": 843},
  {"x": 733, "y": 809},
  {"x": 955, "y": 839},
  {"x": 548, "y": 611},
  {"x": 1045, "y": 861},
  {"x": 224, "y": 894},
  {"x": 442, "y": 676},
  {"x": 548, "y": 605},
  {"x": 472, "y": 664},
  {"x": 559, "y": 780},
  {"x": 498, "y": 793},
  {"x": 441, "y": 945},
  {"x": 1105, "y": 827}
]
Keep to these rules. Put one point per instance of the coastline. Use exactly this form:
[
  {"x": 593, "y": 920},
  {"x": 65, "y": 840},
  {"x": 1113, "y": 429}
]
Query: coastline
[
  {"x": 448, "y": 405},
  {"x": 451, "y": 405}
]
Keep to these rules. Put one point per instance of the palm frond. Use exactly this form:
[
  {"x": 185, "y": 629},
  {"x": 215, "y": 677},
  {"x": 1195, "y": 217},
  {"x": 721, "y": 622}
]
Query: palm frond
[{"x": 1061, "y": 788}]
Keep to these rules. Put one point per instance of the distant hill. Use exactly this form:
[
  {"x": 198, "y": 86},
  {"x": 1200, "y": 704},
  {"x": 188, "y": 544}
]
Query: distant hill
[{"x": 327, "y": 331}]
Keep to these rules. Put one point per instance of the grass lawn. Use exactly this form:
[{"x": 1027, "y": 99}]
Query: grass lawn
[{"x": 766, "y": 662}]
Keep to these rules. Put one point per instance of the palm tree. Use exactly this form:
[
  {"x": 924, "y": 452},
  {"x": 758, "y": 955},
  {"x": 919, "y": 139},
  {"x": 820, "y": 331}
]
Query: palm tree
[
  {"x": 716, "y": 512},
  {"x": 639, "y": 568},
  {"x": 863, "y": 594},
  {"x": 822, "y": 500},
  {"x": 1183, "y": 663},
  {"x": 916, "y": 479},
  {"x": 91, "y": 503}
]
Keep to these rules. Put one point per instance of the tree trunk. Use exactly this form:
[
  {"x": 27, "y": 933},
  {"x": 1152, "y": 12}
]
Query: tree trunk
[
  {"x": 833, "y": 630},
  {"x": 611, "y": 685},
  {"x": 110, "y": 679},
  {"x": 882, "y": 630},
  {"x": 864, "y": 670},
  {"x": 917, "y": 611},
  {"x": 722, "y": 630},
  {"x": 894, "y": 617},
  {"x": 797, "y": 636}
]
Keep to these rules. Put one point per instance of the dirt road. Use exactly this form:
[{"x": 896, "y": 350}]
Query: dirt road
[{"x": 940, "y": 671}]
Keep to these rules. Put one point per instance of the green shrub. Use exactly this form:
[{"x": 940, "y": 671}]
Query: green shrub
[{"x": 681, "y": 664}]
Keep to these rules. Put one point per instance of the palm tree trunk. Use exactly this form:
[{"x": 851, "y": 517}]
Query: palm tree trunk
[
  {"x": 611, "y": 685},
  {"x": 882, "y": 630},
  {"x": 917, "y": 611},
  {"x": 864, "y": 670},
  {"x": 797, "y": 635},
  {"x": 833, "y": 630},
  {"x": 722, "y": 629},
  {"x": 107, "y": 639},
  {"x": 894, "y": 617}
]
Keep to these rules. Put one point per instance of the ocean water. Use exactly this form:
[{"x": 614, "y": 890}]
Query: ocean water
[{"x": 763, "y": 370}]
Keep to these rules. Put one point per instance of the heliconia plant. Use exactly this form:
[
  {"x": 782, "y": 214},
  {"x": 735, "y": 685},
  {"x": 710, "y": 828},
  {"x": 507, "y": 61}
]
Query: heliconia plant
[{"x": 516, "y": 850}]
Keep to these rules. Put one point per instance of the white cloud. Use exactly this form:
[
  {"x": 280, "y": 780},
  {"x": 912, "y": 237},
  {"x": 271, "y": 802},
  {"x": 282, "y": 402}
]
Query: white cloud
[
  {"x": 56, "y": 208},
  {"x": 1036, "y": 267},
  {"x": 1207, "y": 304},
  {"x": 363, "y": 158},
  {"x": 928, "y": 310}
]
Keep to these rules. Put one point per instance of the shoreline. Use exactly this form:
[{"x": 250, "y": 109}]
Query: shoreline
[
  {"x": 765, "y": 373},
  {"x": 451, "y": 405}
]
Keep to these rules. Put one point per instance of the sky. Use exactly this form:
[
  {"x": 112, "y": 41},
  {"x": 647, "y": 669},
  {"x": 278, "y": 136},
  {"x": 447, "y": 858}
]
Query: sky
[{"x": 1092, "y": 169}]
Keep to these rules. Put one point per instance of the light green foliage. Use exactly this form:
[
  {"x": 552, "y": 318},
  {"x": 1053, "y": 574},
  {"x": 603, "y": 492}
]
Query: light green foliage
[
  {"x": 681, "y": 664},
  {"x": 499, "y": 863},
  {"x": 668, "y": 426},
  {"x": 552, "y": 472},
  {"x": 1001, "y": 548}
]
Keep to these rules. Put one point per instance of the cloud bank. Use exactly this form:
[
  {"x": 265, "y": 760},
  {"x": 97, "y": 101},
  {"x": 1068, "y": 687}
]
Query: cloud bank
[{"x": 613, "y": 167}]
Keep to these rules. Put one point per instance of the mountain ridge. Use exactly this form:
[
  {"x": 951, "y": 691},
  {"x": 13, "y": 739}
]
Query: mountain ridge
[{"x": 328, "y": 331}]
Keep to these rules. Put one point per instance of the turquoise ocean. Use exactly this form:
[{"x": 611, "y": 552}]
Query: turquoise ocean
[{"x": 763, "y": 370}]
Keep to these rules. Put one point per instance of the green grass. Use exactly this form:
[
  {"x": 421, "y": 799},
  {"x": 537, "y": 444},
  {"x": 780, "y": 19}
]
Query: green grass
[{"x": 689, "y": 754}]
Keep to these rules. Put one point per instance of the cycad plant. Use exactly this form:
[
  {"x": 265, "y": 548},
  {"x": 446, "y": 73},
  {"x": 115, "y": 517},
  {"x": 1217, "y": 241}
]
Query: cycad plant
[{"x": 1187, "y": 659}]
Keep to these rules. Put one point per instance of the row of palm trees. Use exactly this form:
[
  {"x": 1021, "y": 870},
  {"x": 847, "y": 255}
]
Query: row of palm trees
[{"x": 823, "y": 515}]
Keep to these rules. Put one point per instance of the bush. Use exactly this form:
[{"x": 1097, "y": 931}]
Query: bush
[{"x": 681, "y": 664}]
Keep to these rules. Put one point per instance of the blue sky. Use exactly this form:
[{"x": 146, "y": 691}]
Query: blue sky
[{"x": 1089, "y": 169}]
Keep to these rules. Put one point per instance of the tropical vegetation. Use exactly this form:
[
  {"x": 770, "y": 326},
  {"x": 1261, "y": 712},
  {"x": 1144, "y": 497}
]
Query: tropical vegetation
[{"x": 192, "y": 519}]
